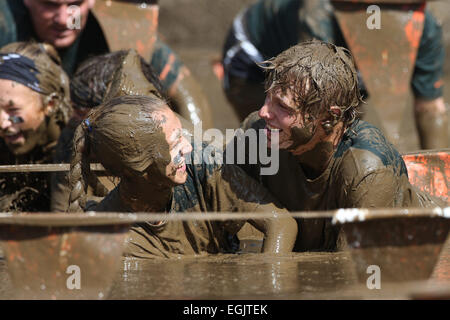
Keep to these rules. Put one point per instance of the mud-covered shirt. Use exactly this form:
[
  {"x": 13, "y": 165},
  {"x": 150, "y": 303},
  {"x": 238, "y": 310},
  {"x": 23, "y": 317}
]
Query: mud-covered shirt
[
  {"x": 209, "y": 187},
  {"x": 16, "y": 25},
  {"x": 273, "y": 26},
  {"x": 25, "y": 192},
  {"x": 366, "y": 171}
]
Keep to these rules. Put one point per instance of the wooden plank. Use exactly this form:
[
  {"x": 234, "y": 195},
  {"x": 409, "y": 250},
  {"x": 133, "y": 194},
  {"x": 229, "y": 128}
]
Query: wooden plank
[{"x": 22, "y": 168}]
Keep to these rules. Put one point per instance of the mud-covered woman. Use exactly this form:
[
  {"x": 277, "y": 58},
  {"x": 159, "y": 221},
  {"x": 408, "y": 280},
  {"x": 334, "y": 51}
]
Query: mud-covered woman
[
  {"x": 88, "y": 87},
  {"x": 140, "y": 140},
  {"x": 34, "y": 107}
]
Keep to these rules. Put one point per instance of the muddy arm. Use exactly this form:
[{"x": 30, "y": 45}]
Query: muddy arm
[
  {"x": 189, "y": 99},
  {"x": 382, "y": 189},
  {"x": 236, "y": 191},
  {"x": 280, "y": 232}
]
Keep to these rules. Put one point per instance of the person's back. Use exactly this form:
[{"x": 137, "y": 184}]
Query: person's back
[{"x": 48, "y": 20}]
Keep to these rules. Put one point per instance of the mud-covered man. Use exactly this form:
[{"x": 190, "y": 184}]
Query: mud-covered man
[
  {"x": 47, "y": 21},
  {"x": 328, "y": 159},
  {"x": 268, "y": 27}
]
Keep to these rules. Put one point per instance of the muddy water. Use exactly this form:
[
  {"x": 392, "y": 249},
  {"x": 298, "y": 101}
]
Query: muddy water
[
  {"x": 233, "y": 276},
  {"x": 252, "y": 276}
]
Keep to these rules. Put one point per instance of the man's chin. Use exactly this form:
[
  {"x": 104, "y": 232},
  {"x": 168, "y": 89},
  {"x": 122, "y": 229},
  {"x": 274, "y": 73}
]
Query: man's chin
[{"x": 64, "y": 42}]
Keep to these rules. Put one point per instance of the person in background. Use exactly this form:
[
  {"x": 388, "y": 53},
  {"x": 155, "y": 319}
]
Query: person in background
[
  {"x": 34, "y": 107},
  {"x": 46, "y": 21},
  {"x": 268, "y": 27}
]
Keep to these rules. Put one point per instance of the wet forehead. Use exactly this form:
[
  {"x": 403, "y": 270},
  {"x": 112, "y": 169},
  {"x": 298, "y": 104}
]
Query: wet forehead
[{"x": 14, "y": 93}]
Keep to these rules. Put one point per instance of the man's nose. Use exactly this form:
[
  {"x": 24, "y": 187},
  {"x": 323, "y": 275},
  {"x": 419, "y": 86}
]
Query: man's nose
[
  {"x": 62, "y": 15},
  {"x": 187, "y": 147},
  {"x": 265, "y": 112}
]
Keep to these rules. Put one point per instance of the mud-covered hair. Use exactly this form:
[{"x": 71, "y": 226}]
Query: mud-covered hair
[
  {"x": 53, "y": 81},
  {"x": 121, "y": 135},
  {"x": 90, "y": 82},
  {"x": 320, "y": 75}
]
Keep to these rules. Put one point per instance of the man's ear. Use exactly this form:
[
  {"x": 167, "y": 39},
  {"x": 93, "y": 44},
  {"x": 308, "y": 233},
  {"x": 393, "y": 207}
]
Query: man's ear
[
  {"x": 334, "y": 116},
  {"x": 335, "y": 112}
]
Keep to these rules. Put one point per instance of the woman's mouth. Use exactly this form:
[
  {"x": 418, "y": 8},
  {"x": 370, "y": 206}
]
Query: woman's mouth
[{"x": 13, "y": 138}]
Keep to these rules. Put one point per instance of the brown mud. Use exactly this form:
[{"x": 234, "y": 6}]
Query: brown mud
[
  {"x": 329, "y": 275},
  {"x": 250, "y": 276}
]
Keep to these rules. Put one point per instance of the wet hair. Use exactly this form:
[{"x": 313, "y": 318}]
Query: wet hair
[
  {"x": 53, "y": 81},
  {"x": 321, "y": 75},
  {"x": 123, "y": 135},
  {"x": 90, "y": 82}
]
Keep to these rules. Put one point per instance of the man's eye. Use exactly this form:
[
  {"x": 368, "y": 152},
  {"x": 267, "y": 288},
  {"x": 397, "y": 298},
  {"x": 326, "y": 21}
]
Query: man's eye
[
  {"x": 50, "y": 4},
  {"x": 287, "y": 109}
]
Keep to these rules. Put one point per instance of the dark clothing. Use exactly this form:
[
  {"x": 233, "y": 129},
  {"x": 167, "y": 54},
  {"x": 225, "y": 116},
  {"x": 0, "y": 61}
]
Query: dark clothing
[
  {"x": 268, "y": 27},
  {"x": 16, "y": 25},
  {"x": 366, "y": 171},
  {"x": 25, "y": 192}
]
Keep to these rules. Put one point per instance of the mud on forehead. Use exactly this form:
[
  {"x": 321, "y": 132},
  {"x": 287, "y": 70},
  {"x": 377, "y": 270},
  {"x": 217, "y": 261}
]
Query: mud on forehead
[{"x": 128, "y": 134}]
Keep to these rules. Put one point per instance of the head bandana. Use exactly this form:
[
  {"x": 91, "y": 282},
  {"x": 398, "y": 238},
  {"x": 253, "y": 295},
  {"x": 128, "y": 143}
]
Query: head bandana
[{"x": 20, "y": 69}]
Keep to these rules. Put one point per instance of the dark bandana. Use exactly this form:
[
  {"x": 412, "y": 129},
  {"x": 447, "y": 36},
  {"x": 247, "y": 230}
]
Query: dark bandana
[{"x": 20, "y": 69}]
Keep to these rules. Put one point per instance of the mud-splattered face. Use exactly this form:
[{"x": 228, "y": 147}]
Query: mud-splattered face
[
  {"x": 179, "y": 147},
  {"x": 55, "y": 21},
  {"x": 21, "y": 116},
  {"x": 297, "y": 132}
]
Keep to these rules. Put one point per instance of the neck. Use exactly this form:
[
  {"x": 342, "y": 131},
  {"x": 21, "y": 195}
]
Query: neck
[
  {"x": 142, "y": 196},
  {"x": 315, "y": 158}
]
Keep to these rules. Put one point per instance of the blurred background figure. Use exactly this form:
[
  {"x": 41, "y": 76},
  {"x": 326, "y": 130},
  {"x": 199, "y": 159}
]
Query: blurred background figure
[
  {"x": 79, "y": 29},
  {"x": 34, "y": 107},
  {"x": 267, "y": 27}
]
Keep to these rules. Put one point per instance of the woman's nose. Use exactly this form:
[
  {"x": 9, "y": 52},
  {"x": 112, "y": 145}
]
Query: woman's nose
[{"x": 5, "y": 120}]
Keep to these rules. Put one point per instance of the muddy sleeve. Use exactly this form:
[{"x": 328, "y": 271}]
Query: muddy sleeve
[
  {"x": 166, "y": 64},
  {"x": 427, "y": 77},
  {"x": 383, "y": 189},
  {"x": 234, "y": 191}
]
